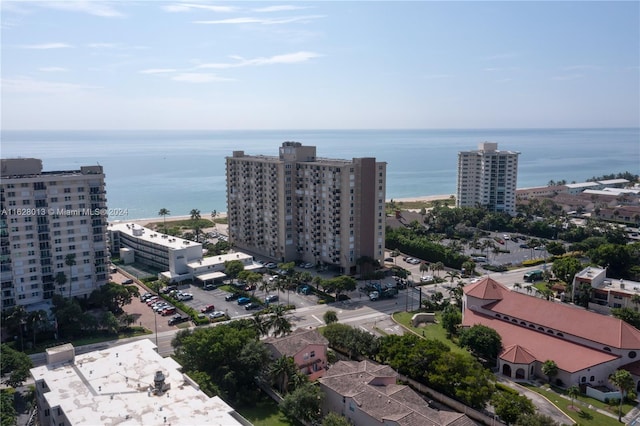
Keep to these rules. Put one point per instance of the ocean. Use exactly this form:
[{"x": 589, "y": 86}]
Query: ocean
[{"x": 184, "y": 170}]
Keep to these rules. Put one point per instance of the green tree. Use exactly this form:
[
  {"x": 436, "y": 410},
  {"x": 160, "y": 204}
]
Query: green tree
[
  {"x": 573, "y": 392},
  {"x": 110, "y": 322},
  {"x": 550, "y": 369},
  {"x": 555, "y": 248},
  {"x": 334, "y": 419},
  {"x": 14, "y": 363},
  {"x": 232, "y": 268},
  {"x": 511, "y": 406},
  {"x": 566, "y": 268},
  {"x": 279, "y": 322},
  {"x": 452, "y": 275},
  {"x": 114, "y": 296},
  {"x": 330, "y": 317},
  {"x": 623, "y": 380},
  {"x": 8, "y": 413},
  {"x": 451, "y": 319},
  {"x": 164, "y": 212},
  {"x": 36, "y": 320},
  {"x": 303, "y": 403},
  {"x": 70, "y": 261},
  {"x": 61, "y": 280},
  {"x": 281, "y": 371},
  {"x": 341, "y": 284},
  {"x": 482, "y": 340}
]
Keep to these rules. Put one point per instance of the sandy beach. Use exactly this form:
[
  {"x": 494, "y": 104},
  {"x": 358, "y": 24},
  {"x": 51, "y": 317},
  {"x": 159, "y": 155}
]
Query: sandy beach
[{"x": 169, "y": 218}]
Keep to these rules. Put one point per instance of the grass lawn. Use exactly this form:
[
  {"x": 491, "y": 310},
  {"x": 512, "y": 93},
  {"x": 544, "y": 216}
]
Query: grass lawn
[
  {"x": 431, "y": 331},
  {"x": 265, "y": 413},
  {"x": 583, "y": 416}
]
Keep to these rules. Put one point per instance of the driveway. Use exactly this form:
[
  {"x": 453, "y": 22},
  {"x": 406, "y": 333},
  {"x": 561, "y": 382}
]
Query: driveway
[{"x": 544, "y": 405}]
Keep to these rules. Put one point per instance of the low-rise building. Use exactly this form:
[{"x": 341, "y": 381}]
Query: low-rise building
[
  {"x": 125, "y": 384},
  {"x": 368, "y": 394},
  {"x": 586, "y": 346},
  {"x": 308, "y": 348},
  {"x": 607, "y": 293},
  {"x": 211, "y": 269}
]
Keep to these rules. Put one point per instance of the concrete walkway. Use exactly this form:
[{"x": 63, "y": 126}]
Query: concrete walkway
[{"x": 544, "y": 405}]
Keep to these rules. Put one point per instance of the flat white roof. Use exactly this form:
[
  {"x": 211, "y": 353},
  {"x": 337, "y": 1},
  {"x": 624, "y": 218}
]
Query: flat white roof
[
  {"x": 146, "y": 234},
  {"x": 112, "y": 386},
  {"x": 582, "y": 184},
  {"x": 211, "y": 276},
  {"x": 220, "y": 259},
  {"x": 613, "y": 181}
]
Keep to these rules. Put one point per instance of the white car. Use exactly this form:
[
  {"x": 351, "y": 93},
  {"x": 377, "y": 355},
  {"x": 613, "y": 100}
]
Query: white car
[
  {"x": 216, "y": 314},
  {"x": 426, "y": 278},
  {"x": 185, "y": 296}
]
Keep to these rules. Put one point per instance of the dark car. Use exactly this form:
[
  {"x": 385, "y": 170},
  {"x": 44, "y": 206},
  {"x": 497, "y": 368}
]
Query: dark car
[
  {"x": 177, "y": 319},
  {"x": 251, "y": 306},
  {"x": 271, "y": 298},
  {"x": 209, "y": 287},
  {"x": 127, "y": 282},
  {"x": 232, "y": 296}
]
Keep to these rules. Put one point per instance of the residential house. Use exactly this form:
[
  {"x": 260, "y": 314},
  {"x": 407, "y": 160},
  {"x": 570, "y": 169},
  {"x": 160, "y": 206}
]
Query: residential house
[
  {"x": 308, "y": 348},
  {"x": 368, "y": 394}
]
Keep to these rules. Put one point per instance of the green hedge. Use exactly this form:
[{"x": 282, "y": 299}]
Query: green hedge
[{"x": 533, "y": 262}]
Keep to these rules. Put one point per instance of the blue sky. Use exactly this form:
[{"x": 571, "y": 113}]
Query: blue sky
[{"x": 319, "y": 65}]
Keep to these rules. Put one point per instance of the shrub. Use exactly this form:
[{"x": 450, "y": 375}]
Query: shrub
[{"x": 532, "y": 262}]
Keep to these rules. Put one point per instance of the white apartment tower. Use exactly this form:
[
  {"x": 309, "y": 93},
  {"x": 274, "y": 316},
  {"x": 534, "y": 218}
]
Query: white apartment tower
[
  {"x": 488, "y": 178},
  {"x": 300, "y": 207},
  {"x": 46, "y": 216}
]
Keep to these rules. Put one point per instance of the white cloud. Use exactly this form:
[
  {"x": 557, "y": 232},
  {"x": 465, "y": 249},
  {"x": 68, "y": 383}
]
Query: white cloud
[
  {"x": 102, "y": 45},
  {"x": 29, "y": 85},
  {"x": 187, "y": 7},
  {"x": 46, "y": 46},
  {"x": 288, "y": 58},
  {"x": 53, "y": 69},
  {"x": 157, "y": 71},
  {"x": 262, "y": 21},
  {"x": 93, "y": 7},
  {"x": 192, "y": 77},
  {"x": 281, "y": 8}
]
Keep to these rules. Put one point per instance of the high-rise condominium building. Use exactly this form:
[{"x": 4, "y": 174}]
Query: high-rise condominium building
[
  {"x": 300, "y": 207},
  {"x": 488, "y": 177},
  {"x": 53, "y": 229}
]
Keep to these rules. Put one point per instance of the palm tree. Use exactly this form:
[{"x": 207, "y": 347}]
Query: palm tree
[
  {"x": 36, "y": 319},
  {"x": 164, "y": 212},
  {"x": 549, "y": 369},
  {"x": 452, "y": 275},
  {"x": 281, "y": 372},
  {"x": 439, "y": 266},
  {"x": 528, "y": 288},
  {"x": 16, "y": 320},
  {"x": 623, "y": 380},
  {"x": 195, "y": 214},
  {"x": 214, "y": 214},
  {"x": 195, "y": 222},
  {"x": 61, "y": 280},
  {"x": 279, "y": 321},
  {"x": 517, "y": 286},
  {"x": 261, "y": 323},
  {"x": 70, "y": 261},
  {"x": 424, "y": 267},
  {"x": 573, "y": 392}
]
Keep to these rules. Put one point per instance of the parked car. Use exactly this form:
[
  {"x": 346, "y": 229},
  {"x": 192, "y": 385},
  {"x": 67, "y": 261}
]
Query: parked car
[
  {"x": 168, "y": 289},
  {"x": 207, "y": 308},
  {"x": 243, "y": 300},
  {"x": 177, "y": 319},
  {"x": 127, "y": 281},
  {"x": 271, "y": 265},
  {"x": 145, "y": 296},
  {"x": 271, "y": 298},
  {"x": 304, "y": 289},
  {"x": 185, "y": 296},
  {"x": 249, "y": 287},
  {"x": 426, "y": 278},
  {"x": 388, "y": 259},
  {"x": 150, "y": 301},
  {"x": 308, "y": 265},
  {"x": 232, "y": 296},
  {"x": 169, "y": 310},
  {"x": 209, "y": 287},
  {"x": 216, "y": 314},
  {"x": 252, "y": 306}
]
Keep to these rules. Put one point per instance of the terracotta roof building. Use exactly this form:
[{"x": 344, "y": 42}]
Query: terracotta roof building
[
  {"x": 367, "y": 394},
  {"x": 586, "y": 346},
  {"x": 308, "y": 348}
]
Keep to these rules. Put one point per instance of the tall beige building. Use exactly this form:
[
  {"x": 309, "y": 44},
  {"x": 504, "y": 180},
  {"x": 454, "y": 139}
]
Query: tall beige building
[
  {"x": 488, "y": 177},
  {"x": 46, "y": 216},
  {"x": 300, "y": 207}
]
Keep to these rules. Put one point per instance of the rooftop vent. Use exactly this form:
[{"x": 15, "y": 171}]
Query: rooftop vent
[{"x": 159, "y": 386}]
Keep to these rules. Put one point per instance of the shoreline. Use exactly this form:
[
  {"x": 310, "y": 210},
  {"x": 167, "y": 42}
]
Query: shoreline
[{"x": 145, "y": 220}]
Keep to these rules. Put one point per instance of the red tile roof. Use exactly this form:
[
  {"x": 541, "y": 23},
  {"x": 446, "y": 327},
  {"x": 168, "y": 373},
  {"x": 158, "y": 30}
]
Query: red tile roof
[
  {"x": 567, "y": 319},
  {"x": 568, "y": 356},
  {"x": 516, "y": 354}
]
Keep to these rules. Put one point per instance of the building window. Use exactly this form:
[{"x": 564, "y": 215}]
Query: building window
[{"x": 313, "y": 354}]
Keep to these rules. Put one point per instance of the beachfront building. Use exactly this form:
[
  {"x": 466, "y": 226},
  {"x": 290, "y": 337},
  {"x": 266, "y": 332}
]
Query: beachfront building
[
  {"x": 297, "y": 206},
  {"x": 53, "y": 232},
  {"x": 586, "y": 346},
  {"x": 488, "y": 177},
  {"x": 124, "y": 384},
  {"x": 174, "y": 259}
]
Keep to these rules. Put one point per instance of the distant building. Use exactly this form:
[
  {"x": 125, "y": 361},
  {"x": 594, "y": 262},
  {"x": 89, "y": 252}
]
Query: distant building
[
  {"x": 540, "y": 192},
  {"x": 607, "y": 293},
  {"x": 297, "y": 206},
  {"x": 368, "y": 394},
  {"x": 46, "y": 216},
  {"x": 586, "y": 346},
  {"x": 125, "y": 384},
  {"x": 488, "y": 177},
  {"x": 308, "y": 348},
  {"x": 576, "y": 188}
]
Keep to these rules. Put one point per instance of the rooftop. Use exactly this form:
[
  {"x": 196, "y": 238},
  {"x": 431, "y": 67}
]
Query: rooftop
[
  {"x": 145, "y": 234},
  {"x": 116, "y": 386},
  {"x": 296, "y": 341}
]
